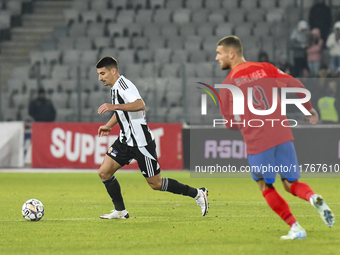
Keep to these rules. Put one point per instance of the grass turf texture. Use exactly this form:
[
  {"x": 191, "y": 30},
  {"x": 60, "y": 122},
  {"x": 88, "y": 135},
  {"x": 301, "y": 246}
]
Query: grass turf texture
[{"x": 239, "y": 221}]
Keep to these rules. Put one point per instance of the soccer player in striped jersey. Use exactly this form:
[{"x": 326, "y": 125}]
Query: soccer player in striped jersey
[
  {"x": 135, "y": 141},
  {"x": 267, "y": 145}
]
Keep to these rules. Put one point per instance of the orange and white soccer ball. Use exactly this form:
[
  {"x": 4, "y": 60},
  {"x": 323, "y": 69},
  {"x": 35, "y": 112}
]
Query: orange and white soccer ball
[{"x": 33, "y": 210}]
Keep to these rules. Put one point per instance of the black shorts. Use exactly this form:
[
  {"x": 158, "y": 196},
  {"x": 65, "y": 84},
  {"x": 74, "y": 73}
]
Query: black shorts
[{"x": 145, "y": 156}]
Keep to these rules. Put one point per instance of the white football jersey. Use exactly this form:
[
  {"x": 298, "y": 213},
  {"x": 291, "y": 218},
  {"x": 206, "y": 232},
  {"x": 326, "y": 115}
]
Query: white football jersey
[{"x": 134, "y": 130}]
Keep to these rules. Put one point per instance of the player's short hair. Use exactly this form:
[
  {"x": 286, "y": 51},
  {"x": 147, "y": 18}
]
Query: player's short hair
[
  {"x": 232, "y": 41},
  {"x": 108, "y": 62}
]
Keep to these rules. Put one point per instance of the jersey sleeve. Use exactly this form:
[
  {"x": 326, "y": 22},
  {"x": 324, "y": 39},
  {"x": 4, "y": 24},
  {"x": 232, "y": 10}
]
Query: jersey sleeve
[{"x": 131, "y": 93}]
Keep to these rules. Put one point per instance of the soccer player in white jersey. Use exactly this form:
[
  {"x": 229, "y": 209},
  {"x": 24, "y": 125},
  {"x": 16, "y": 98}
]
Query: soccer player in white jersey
[{"x": 135, "y": 141}]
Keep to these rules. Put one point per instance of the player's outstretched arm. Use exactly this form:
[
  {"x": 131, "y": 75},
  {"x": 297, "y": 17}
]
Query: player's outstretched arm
[
  {"x": 105, "y": 130},
  {"x": 314, "y": 118},
  {"x": 129, "y": 107}
]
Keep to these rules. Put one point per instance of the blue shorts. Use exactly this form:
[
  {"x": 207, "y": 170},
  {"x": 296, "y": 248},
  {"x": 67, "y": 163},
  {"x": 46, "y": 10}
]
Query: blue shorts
[{"x": 279, "y": 159}]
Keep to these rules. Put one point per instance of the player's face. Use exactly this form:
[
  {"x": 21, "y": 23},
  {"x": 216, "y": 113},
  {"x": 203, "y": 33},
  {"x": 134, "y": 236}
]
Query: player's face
[
  {"x": 106, "y": 76},
  {"x": 222, "y": 56}
]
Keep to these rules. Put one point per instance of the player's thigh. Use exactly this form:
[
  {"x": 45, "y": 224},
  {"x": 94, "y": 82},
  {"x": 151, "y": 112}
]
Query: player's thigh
[
  {"x": 155, "y": 182},
  {"x": 263, "y": 166},
  {"x": 287, "y": 160},
  {"x": 108, "y": 168}
]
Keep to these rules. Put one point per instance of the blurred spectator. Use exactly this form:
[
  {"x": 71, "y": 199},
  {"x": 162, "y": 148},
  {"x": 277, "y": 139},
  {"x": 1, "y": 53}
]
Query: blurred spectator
[
  {"x": 314, "y": 52},
  {"x": 320, "y": 17},
  {"x": 299, "y": 41},
  {"x": 333, "y": 43},
  {"x": 263, "y": 56},
  {"x": 41, "y": 108},
  {"x": 284, "y": 65},
  {"x": 329, "y": 106}
]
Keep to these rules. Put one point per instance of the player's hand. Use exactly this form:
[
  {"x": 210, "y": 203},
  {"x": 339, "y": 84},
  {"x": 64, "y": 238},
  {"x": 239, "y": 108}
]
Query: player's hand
[
  {"x": 106, "y": 107},
  {"x": 314, "y": 118},
  {"x": 104, "y": 131}
]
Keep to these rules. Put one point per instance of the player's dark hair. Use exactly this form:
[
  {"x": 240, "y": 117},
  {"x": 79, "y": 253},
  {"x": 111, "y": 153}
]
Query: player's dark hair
[
  {"x": 232, "y": 41},
  {"x": 107, "y": 62}
]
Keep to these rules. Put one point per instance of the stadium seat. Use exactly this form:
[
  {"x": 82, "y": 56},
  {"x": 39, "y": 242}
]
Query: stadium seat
[
  {"x": 61, "y": 71},
  {"x": 249, "y": 5},
  {"x": 200, "y": 16},
  {"x": 68, "y": 85},
  {"x": 107, "y": 16},
  {"x": 174, "y": 5},
  {"x": 139, "y": 43},
  {"x": 71, "y": 16},
  {"x": 256, "y": 15},
  {"x": 230, "y": 4},
  {"x": 287, "y": 3},
  {"x": 36, "y": 56},
  {"x": 162, "y": 16},
  {"x": 170, "y": 70},
  {"x": 89, "y": 16},
  {"x": 179, "y": 56},
  {"x": 83, "y": 43},
  {"x": 5, "y": 20},
  {"x": 175, "y": 114},
  {"x": 144, "y": 16},
  {"x": 102, "y": 42},
  {"x": 151, "y": 30},
  {"x": 99, "y": 5},
  {"x": 150, "y": 70},
  {"x": 14, "y": 7},
  {"x": 236, "y": 16},
  {"x": 194, "y": 4},
  {"x": 71, "y": 56},
  {"x": 95, "y": 30},
  {"x": 205, "y": 69},
  {"x": 127, "y": 56},
  {"x": 243, "y": 30},
  {"x": 119, "y": 4},
  {"x": 157, "y": 4},
  {"x": 66, "y": 43},
  {"x": 144, "y": 56},
  {"x": 274, "y": 15},
  {"x": 116, "y": 29},
  {"x": 64, "y": 115},
  {"x": 133, "y": 71},
  {"x": 213, "y": 5},
  {"x": 181, "y": 16},
  {"x": 89, "y": 57},
  {"x": 224, "y": 29},
  {"x": 261, "y": 28},
  {"x": 175, "y": 42},
  {"x": 197, "y": 56},
  {"x": 268, "y": 4},
  {"x": 169, "y": 30},
  {"x": 174, "y": 98},
  {"x": 121, "y": 43},
  {"x": 81, "y": 5},
  {"x": 139, "y": 4},
  {"x": 193, "y": 43},
  {"x": 15, "y": 85},
  {"x": 217, "y": 17},
  {"x": 190, "y": 69},
  {"x": 162, "y": 55},
  {"x": 51, "y": 86},
  {"x": 77, "y": 30},
  {"x": 187, "y": 29},
  {"x": 52, "y": 57},
  {"x": 109, "y": 51},
  {"x": 205, "y": 30},
  {"x": 134, "y": 30},
  {"x": 125, "y": 17}
]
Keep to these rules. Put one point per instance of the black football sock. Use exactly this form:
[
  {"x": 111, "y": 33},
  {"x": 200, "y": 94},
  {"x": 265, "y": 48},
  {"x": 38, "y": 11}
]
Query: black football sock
[
  {"x": 113, "y": 188},
  {"x": 175, "y": 187}
]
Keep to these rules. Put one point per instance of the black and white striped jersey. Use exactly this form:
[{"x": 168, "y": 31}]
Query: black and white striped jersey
[{"x": 133, "y": 127}]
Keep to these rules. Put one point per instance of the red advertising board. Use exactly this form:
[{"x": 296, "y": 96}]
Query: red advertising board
[{"x": 77, "y": 145}]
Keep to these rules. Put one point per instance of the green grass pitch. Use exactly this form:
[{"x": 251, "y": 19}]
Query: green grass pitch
[{"x": 239, "y": 221}]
